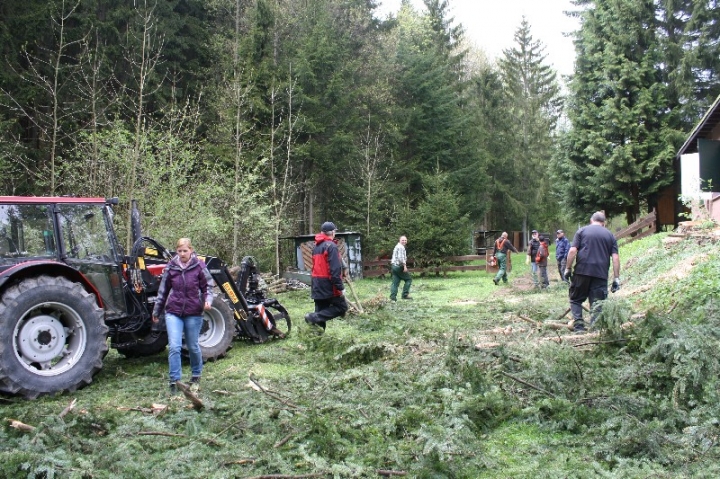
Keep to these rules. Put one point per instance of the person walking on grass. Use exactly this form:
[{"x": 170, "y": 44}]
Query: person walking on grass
[
  {"x": 399, "y": 271},
  {"x": 592, "y": 249},
  {"x": 562, "y": 246},
  {"x": 532, "y": 250},
  {"x": 327, "y": 288},
  {"x": 501, "y": 252},
  {"x": 541, "y": 259},
  {"x": 185, "y": 291}
]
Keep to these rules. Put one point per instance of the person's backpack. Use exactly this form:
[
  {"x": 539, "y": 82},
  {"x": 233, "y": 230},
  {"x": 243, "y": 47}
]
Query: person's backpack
[{"x": 542, "y": 253}]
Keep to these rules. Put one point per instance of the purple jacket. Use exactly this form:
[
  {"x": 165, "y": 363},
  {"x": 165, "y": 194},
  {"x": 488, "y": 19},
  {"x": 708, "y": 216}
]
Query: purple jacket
[{"x": 184, "y": 292}]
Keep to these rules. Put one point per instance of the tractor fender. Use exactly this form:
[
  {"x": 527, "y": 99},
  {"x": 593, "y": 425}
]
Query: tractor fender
[{"x": 50, "y": 268}]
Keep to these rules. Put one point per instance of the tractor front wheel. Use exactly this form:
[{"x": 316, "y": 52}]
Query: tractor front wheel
[
  {"x": 52, "y": 337},
  {"x": 218, "y": 331}
]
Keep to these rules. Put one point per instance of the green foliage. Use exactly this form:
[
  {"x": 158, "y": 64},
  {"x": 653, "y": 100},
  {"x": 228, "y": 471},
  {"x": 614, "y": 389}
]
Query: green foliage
[
  {"x": 532, "y": 99},
  {"x": 435, "y": 228},
  {"x": 638, "y": 88}
]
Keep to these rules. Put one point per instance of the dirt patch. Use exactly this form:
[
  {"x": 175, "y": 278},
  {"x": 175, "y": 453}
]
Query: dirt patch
[{"x": 465, "y": 302}]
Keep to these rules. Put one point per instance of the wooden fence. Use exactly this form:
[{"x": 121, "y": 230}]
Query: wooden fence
[
  {"x": 471, "y": 262},
  {"x": 643, "y": 227}
]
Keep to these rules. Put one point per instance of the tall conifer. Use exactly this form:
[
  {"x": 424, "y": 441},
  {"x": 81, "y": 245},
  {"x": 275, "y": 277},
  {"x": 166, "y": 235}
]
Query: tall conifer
[{"x": 532, "y": 99}]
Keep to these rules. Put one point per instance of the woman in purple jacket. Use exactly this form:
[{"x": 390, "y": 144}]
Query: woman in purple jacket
[{"x": 185, "y": 292}]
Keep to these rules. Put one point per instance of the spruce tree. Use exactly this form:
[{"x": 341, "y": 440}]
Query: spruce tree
[
  {"x": 434, "y": 114},
  {"x": 619, "y": 150},
  {"x": 532, "y": 98}
]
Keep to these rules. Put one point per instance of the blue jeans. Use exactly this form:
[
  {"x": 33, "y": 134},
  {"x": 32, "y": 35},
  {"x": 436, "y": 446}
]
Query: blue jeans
[
  {"x": 534, "y": 271},
  {"x": 190, "y": 326}
]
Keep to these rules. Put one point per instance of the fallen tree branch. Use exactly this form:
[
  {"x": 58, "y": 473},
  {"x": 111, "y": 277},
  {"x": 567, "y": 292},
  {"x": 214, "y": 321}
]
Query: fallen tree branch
[
  {"x": 159, "y": 433},
  {"x": 231, "y": 425},
  {"x": 388, "y": 473},
  {"x": 558, "y": 326},
  {"x": 288, "y": 476},
  {"x": 69, "y": 408},
  {"x": 369, "y": 384},
  {"x": 592, "y": 343},
  {"x": 537, "y": 324},
  {"x": 284, "y": 440},
  {"x": 521, "y": 381},
  {"x": 272, "y": 394},
  {"x": 540, "y": 324},
  {"x": 155, "y": 410},
  {"x": 249, "y": 460},
  {"x": 197, "y": 402},
  {"x": 21, "y": 426}
]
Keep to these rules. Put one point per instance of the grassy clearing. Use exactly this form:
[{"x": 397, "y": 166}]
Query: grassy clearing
[{"x": 404, "y": 388}]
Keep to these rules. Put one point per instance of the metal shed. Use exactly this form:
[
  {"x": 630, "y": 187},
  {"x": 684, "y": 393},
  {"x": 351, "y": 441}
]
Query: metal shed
[{"x": 349, "y": 244}]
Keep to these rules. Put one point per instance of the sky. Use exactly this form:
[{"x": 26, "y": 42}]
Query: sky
[{"x": 491, "y": 25}]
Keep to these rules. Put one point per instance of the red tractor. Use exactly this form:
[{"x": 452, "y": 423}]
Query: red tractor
[{"x": 66, "y": 286}]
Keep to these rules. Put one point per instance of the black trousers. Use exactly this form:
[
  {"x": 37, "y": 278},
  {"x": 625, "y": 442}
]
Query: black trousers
[
  {"x": 586, "y": 287},
  {"x": 327, "y": 309}
]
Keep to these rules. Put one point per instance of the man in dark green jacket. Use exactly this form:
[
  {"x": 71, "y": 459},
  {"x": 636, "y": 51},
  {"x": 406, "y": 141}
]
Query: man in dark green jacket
[{"x": 502, "y": 246}]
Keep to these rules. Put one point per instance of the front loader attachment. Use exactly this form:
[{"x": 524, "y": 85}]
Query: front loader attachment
[{"x": 255, "y": 315}]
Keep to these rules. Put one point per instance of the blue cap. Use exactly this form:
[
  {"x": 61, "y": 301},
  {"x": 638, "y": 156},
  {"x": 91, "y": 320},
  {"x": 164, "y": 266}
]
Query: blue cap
[{"x": 327, "y": 227}]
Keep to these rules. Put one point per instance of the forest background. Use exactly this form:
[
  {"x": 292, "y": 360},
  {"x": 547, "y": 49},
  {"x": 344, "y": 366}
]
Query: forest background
[{"x": 239, "y": 122}]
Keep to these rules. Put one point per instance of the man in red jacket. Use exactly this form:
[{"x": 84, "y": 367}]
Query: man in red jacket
[{"x": 327, "y": 285}]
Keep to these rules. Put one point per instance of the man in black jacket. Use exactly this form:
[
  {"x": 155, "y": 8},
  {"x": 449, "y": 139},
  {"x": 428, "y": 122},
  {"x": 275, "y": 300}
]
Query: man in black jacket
[
  {"x": 327, "y": 285},
  {"x": 533, "y": 247},
  {"x": 593, "y": 247}
]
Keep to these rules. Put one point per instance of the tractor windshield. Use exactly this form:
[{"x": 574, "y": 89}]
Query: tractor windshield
[
  {"x": 88, "y": 244},
  {"x": 26, "y": 231},
  {"x": 84, "y": 233}
]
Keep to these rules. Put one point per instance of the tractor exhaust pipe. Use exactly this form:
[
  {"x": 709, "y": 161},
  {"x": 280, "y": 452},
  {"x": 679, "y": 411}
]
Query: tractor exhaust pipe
[{"x": 135, "y": 225}]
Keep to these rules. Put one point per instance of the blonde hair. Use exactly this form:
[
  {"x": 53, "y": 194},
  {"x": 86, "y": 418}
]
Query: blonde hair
[{"x": 184, "y": 242}]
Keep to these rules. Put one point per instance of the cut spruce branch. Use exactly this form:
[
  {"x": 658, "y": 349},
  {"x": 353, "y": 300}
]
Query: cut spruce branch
[
  {"x": 155, "y": 410},
  {"x": 272, "y": 394},
  {"x": 230, "y": 426},
  {"x": 160, "y": 433},
  {"x": 284, "y": 440},
  {"x": 68, "y": 409},
  {"x": 521, "y": 381},
  {"x": 388, "y": 473},
  {"x": 249, "y": 460},
  {"x": 21, "y": 426},
  {"x": 196, "y": 401},
  {"x": 288, "y": 476},
  {"x": 594, "y": 343},
  {"x": 540, "y": 324}
]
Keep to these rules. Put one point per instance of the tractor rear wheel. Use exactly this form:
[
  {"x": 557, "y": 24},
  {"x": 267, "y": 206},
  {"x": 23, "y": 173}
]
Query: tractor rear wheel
[
  {"x": 217, "y": 332},
  {"x": 53, "y": 337}
]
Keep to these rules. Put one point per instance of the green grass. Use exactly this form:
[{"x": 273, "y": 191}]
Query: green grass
[{"x": 403, "y": 388}]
